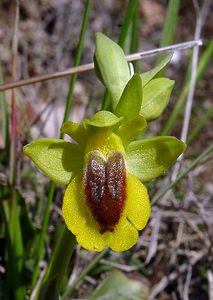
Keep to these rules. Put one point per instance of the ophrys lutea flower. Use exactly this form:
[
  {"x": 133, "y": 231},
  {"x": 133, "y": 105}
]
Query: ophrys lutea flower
[{"x": 105, "y": 203}]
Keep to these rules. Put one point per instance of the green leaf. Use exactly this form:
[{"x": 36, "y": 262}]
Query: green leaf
[
  {"x": 49, "y": 290},
  {"x": 155, "y": 97},
  {"x": 147, "y": 159},
  {"x": 103, "y": 118},
  {"x": 130, "y": 102},
  {"x": 147, "y": 76},
  {"x": 111, "y": 66},
  {"x": 57, "y": 159},
  {"x": 75, "y": 131},
  {"x": 117, "y": 286},
  {"x": 130, "y": 129}
]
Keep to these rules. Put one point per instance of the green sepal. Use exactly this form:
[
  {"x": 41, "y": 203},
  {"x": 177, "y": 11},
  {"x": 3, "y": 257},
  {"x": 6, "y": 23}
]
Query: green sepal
[
  {"x": 147, "y": 76},
  {"x": 147, "y": 159},
  {"x": 111, "y": 66},
  {"x": 130, "y": 129},
  {"x": 57, "y": 159},
  {"x": 129, "y": 104},
  {"x": 76, "y": 131},
  {"x": 103, "y": 118},
  {"x": 155, "y": 97}
]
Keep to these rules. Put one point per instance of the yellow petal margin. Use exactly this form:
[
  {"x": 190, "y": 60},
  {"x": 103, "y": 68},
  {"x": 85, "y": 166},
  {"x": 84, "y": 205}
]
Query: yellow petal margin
[{"x": 81, "y": 222}]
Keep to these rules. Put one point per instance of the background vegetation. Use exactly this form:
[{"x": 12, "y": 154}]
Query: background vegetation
[{"x": 173, "y": 258}]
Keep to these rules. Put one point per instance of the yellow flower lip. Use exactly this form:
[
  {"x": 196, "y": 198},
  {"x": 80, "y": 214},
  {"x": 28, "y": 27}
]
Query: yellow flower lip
[
  {"x": 82, "y": 223},
  {"x": 105, "y": 205},
  {"x": 105, "y": 188}
]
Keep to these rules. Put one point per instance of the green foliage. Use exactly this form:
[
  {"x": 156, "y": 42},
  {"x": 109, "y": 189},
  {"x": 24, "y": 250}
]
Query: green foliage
[
  {"x": 135, "y": 101},
  {"x": 155, "y": 98},
  {"x": 111, "y": 66},
  {"x": 131, "y": 128},
  {"x": 118, "y": 286},
  {"x": 147, "y": 76},
  {"x": 149, "y": 95},
  {"x": 130, "y": 101},
  {"x": 75, "y": 131},
  {"x": 147, "y": 159},
  {"x": 103, "y": 119},
  {"x": 56, "y": 158}
]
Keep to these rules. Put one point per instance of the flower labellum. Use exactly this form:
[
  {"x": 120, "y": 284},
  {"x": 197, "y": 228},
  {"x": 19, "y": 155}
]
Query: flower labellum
[{"x": 105, "y": 188}]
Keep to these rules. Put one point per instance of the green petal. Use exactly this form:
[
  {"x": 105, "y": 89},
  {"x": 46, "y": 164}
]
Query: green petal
[
  {"x": 155, "y": 97},
  {"x": 130, "y": 102},
  {"x": 111, "y": 66},
  {"x": 130, "y": 129},
  {"x": 150, "y": 158},
  {"x": 56, "y": 158},
  {"x": 103, "y": 118},
  {"x": 147, "y": 76},
  {"x": 75, "y": 131}
]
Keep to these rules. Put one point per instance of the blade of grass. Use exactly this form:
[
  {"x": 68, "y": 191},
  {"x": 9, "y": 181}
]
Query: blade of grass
[
  {"x": 192, "y": 82},
  {"x": 5, "y": 118},
  {"x": 134, "y": 38},
  {"x": 77, "y": 60},
  {"x": 182, "y": 174},
  {"x": 200, "y": 124},
  {"x": 10, "y": 265},
  {"x": 131, "y": 8},
  {"x": 86, "y": 271},
  {"x": 40, "y": 250},
  {"x": 192, "y": 85},
  {"x": 169, "y": 28},
  {"x": 203, "y": 64},
  {"x": 57, "y": 267},
  {"x": 17, "y": 248},
  {"x": 14, "y": 213},
  {"x": 130, "y": 11},
  {"x": 66, "y": 115}
]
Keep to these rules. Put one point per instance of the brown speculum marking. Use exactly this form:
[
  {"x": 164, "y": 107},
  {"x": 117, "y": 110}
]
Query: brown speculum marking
[{"x": 105, "y": 188}]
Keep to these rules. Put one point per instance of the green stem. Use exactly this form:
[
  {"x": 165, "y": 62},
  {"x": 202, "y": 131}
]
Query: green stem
[
  {"x": 77, "y": 60},
  {"x": 132, "y": 5},
  {"x": 169, "y": 28},
  {"x": 86, "y": 271},
  {"x": 43, "y": 232},
  {"x": 65, "y": 246},
  {"x": 62, "y": 253},
  {"x": 134, "y": 39},
  {"x": 182, "y": 174},
  {"x": 201, "y": 123}
]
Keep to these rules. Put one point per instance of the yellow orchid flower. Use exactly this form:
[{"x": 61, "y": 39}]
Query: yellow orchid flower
[{"x": 105, "y": 203}]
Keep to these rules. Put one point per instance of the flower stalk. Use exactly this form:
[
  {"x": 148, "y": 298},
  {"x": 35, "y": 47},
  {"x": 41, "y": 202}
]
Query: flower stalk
[{"x": 53, "y": 278}]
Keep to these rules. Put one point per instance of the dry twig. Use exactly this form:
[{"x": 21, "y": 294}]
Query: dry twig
[
  {"x": 90, "y": 66},
  {"x": 166, "y": 280}
]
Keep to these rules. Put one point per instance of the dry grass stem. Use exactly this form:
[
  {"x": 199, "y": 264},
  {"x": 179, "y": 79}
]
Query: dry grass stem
[
  {"x": 210, "y": 284},
  {"x": 155, "y": 223},
  {"x": 166, "y": 280},
  {"x": 189, "y": 102},
  {"x": 90, "y": 66}
]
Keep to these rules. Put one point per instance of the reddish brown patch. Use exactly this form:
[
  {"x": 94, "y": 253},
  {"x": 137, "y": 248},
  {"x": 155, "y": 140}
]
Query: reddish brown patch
[{"x": 105, "y": 188}]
